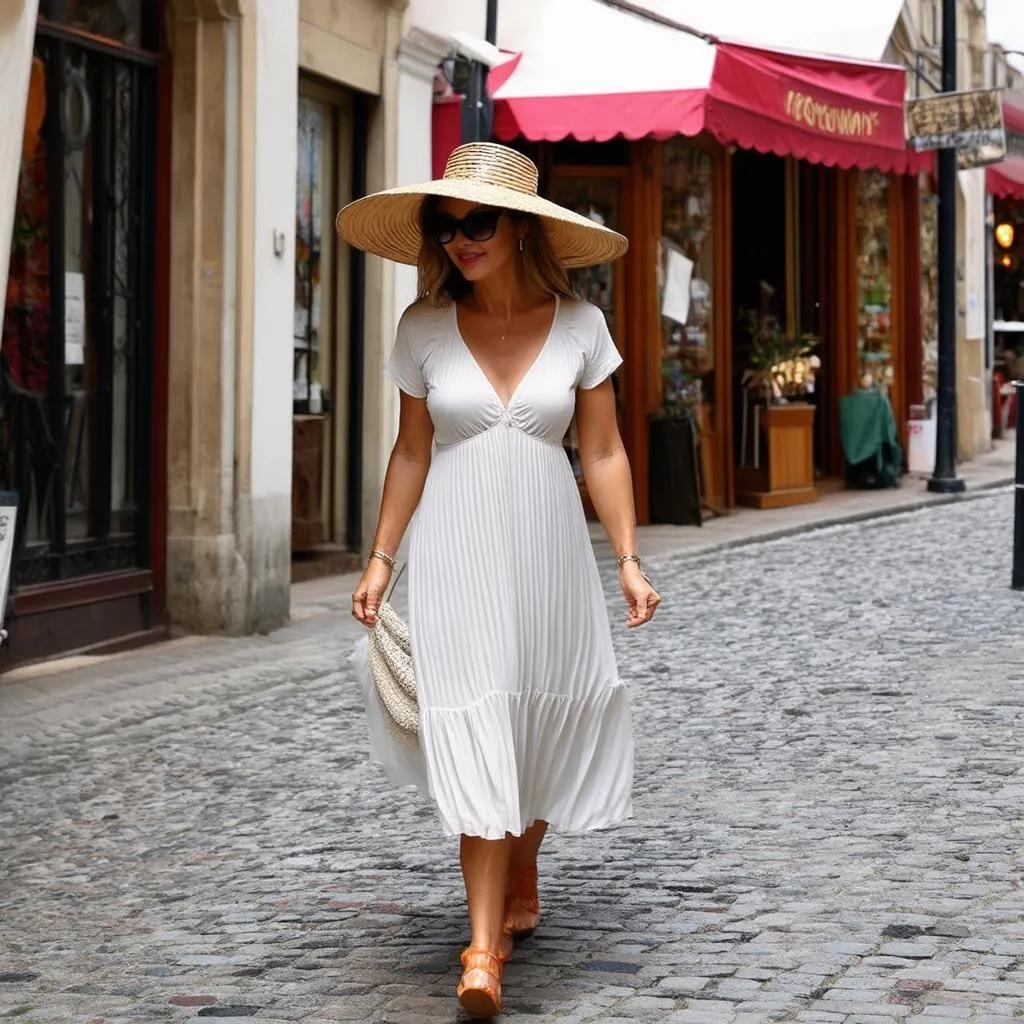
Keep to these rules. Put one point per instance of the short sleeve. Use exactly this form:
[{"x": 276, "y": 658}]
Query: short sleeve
[
  {"x": 600, "y": 358},
  {"x": 405, "y": 367}
]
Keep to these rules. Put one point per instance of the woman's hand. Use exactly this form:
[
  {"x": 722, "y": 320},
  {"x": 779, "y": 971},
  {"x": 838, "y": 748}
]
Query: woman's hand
[
  {"x": 368, "y": 595},
  {"x": 642, "y": 599}
]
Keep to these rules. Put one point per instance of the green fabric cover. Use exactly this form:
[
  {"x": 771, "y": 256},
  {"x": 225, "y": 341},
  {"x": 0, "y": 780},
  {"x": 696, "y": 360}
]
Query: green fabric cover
[{"x": 868, "y": 432}]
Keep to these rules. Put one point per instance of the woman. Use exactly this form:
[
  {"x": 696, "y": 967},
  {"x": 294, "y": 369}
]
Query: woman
[{"x": 524, "y": 721}]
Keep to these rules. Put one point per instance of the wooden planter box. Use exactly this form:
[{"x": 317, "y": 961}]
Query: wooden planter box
[{"x": 787, "y": 478}]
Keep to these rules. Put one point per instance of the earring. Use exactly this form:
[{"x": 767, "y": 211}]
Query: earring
[{"x": 522, "y": 245}]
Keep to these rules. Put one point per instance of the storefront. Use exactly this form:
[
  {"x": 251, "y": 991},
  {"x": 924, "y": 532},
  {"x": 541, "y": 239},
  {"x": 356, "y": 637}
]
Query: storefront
[
  {"x": 1006, "y": 185},
  {"x": 1005, "y": 182},
  {"x": 756, "y": 188},
  {"x": 83, "y": 389}
]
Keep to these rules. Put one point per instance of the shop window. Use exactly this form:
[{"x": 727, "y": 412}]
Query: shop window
[
  {"x": 929, "y": 292},
  {"x": 685, "y": 276},
  {"x": 313, "y": 126},
  {"x": 874, "y": 281},
  {"x": 76, "y": 330},
  {"x": 597, "y": 194}
]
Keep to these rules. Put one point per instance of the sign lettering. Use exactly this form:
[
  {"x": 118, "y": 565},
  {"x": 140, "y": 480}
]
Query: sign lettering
[
  {"x": 971, "y": 122},
  {"x": 830, "y": 120}
]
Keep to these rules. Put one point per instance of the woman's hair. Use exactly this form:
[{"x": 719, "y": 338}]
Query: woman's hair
[{"x": 441, "y": 282}]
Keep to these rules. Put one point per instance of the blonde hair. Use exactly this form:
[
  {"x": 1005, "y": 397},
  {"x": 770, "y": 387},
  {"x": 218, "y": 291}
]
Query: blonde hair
[{"x": 441, "y": 282}]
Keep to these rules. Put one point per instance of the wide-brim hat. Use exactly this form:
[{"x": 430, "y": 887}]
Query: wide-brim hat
[{"x": 388, "y": 223}]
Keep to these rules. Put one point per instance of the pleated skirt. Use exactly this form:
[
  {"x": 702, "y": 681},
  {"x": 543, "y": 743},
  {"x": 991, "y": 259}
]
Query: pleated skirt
[{"x": 523, "y": 714}]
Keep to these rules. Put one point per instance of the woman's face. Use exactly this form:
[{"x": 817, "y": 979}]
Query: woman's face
[{"x": 479, "y": 240}]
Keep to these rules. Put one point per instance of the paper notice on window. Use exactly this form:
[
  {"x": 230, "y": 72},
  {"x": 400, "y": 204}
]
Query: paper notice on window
[
  {"x": 74, "y": 318},
  {"x": 8, "y": 520},
  {"x": 675, "y": 300}
]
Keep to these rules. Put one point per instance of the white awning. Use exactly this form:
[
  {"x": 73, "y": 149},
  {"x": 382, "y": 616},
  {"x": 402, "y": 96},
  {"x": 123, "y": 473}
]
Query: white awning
[
  {"x": 859, "y": 32},
  {"x": 585, "y": 48}
]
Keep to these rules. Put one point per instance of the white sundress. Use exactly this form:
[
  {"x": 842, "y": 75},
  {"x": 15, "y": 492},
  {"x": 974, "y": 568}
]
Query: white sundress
[{"x": 523, "y": 715}]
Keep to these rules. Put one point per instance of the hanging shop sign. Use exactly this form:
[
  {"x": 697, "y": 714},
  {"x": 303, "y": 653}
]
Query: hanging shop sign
[{"x": 971, "y": 122}]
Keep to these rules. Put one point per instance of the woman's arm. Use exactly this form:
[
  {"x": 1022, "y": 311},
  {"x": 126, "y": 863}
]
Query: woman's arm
[
  {"x": 403, "y": 486},
  {"x": 610, "y": 486}
]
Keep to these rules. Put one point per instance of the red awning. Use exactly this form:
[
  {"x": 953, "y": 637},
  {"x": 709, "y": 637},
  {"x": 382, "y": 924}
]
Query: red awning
[
  {"x": 834, "y": 112},
  {"x": 837, "y": 113},
  {"x": 1006, "y": 179}
]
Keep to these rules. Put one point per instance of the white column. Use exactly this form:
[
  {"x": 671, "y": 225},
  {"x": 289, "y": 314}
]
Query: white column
[
  {"x": 418, "y": 58},
  {"x": 277, "y": 58},
  {"x": 17, "y": 33},
  {"x": 976, "y": 431}
]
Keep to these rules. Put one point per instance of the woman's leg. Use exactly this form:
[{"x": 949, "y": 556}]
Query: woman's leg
[
  {"x": 485, "y": 865},
  {"x": 526, "y": 847},
  {"x": 522, "y": 902}
]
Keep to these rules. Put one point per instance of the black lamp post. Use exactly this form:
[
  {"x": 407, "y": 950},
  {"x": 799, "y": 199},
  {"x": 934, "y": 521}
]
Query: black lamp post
[
  {"x": 477, "y": 110},
  {"x": 944, "y": 479}
]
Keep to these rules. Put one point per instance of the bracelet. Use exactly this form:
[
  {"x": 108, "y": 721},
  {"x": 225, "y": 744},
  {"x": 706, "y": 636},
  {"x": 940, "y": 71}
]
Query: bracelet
[
  {"x": 623, "y": 559},
  {"x": 384, "y": 557}
]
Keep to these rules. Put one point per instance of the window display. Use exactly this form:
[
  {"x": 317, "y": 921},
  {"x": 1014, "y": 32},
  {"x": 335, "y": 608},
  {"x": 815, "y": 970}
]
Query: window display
[
  {"x": 74, "y": 392},
  {"x": 929, "y": 292},
  {"x": 874, "y": 281},
  {"x": 685, "y": 275},
  {"x": 598, "y": 198},
  {"x": 308, "y": 385}
]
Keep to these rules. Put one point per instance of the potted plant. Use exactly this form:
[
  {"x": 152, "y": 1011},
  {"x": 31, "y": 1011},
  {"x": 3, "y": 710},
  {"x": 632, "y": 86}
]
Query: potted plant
[{"x": 778, "y": 378}]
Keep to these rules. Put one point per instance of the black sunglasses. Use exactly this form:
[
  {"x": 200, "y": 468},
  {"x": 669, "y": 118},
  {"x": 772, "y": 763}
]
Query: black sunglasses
[{"x": 477, "y": 226}]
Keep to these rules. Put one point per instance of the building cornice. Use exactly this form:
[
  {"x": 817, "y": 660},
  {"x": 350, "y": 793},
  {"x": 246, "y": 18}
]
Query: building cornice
[{"x": 420, "y": 53}]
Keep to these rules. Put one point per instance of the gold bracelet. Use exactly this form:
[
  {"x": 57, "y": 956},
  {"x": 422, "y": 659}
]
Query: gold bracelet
[
  {"x": 384, "y": 557},
  {"x": 623, "y": 559}
]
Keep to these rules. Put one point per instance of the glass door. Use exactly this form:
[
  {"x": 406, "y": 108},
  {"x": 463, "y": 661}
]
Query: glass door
[{"x": 321, "y": 343}]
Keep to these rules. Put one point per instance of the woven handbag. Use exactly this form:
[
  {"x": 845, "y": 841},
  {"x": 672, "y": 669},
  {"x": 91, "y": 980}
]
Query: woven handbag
[{"x": 394, "y": 681}]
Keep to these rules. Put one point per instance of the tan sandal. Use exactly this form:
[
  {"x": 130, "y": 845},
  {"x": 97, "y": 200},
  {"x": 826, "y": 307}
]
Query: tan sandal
[
  {"x": 522, "y": 904},
  {"x": 479, "y": 990}
]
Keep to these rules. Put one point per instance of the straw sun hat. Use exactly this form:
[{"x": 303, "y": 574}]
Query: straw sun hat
[{"x": 388, "y": 223}]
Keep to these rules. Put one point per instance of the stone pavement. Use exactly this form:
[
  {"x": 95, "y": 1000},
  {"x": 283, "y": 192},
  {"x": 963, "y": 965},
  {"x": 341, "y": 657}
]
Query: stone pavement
[
  {"x": 827, "y": 824},
  {"x": 744, "y": 525}
]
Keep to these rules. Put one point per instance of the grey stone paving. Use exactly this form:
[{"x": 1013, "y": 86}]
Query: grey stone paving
[{"x": 827, "y": 830}]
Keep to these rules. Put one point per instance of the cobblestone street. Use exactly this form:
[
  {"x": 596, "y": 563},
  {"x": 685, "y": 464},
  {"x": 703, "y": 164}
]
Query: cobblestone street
[{"x": 827, "y": 823}]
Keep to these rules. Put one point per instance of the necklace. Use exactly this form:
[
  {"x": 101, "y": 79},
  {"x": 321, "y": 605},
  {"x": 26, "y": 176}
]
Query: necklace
[{"x": 507, "y": 328}]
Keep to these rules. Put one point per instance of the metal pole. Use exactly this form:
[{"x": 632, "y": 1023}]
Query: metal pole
[
  {"x": 491, "y": 31},
  {"x": 475, "y": 119},
  {"x": 1017, "y": 581},
  {"x": 944, "y": 479}
]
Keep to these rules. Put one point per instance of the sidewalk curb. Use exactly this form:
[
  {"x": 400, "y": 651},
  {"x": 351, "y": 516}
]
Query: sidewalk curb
[{"x": 838, "y": 519}]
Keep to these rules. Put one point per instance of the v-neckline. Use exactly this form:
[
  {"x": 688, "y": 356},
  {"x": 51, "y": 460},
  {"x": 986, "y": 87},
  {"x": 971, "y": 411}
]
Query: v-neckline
[{"x": 506, "y": 406}]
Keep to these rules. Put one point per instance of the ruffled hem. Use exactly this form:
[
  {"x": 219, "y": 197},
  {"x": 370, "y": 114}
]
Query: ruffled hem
[{"x": 510, "y": 759}]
